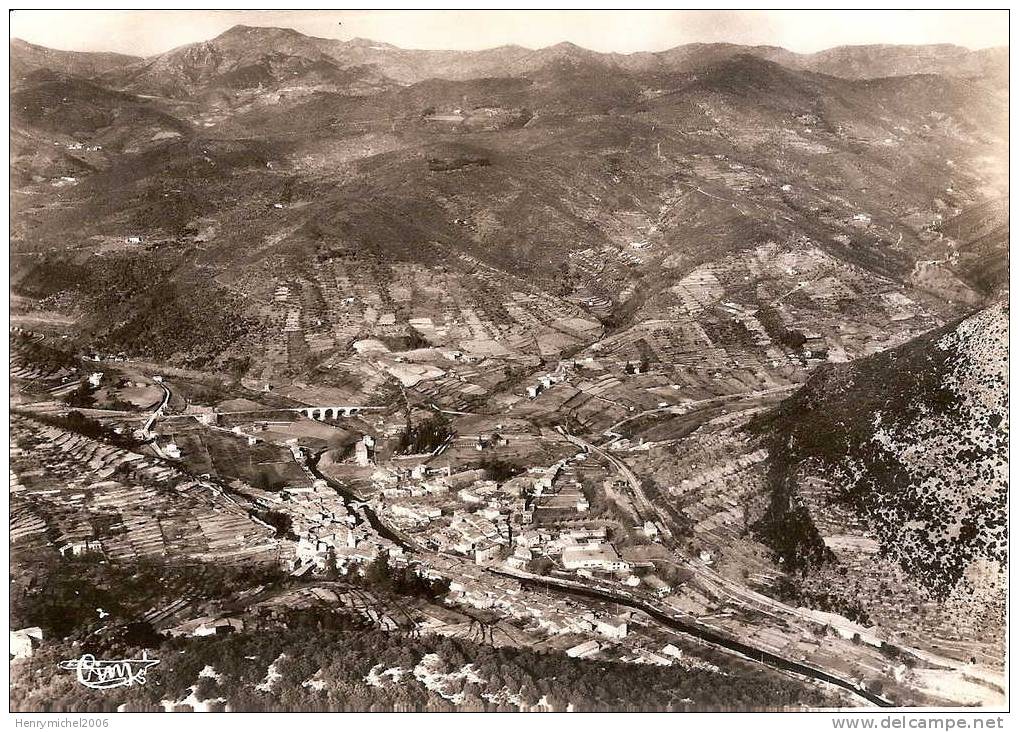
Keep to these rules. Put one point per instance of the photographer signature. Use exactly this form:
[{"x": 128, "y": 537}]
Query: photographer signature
[{"x": 96, "y": 674}]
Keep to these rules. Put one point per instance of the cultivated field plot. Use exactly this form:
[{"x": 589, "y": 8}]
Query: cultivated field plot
[{"x": 81, "y": 496}]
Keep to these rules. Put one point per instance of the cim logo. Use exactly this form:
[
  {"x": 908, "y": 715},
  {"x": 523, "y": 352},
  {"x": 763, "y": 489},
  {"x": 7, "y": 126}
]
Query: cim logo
[{"x": 96, "y": 674}]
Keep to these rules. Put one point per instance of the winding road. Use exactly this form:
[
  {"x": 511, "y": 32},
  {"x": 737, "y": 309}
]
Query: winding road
[
  {"x": 147, "y": 427},
  {"x": 683, "y": 625},
  {"x": 690, "y": 407}
]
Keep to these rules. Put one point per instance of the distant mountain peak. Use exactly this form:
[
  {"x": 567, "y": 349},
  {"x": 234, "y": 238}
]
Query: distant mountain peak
[
  {"x": 258, "y": 30},
  {"x": 743, "y": 68},
  {"x": 360, "y": 41}
]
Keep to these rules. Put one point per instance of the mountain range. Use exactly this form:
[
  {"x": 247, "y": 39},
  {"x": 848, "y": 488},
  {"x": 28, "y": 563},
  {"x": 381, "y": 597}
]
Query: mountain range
[
  {"x": 375, "y": 149},
  {"x": 246, "y": 55}
]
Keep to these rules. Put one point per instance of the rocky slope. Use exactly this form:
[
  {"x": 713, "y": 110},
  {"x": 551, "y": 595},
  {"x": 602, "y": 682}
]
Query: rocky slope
[{"x": 912, "y": 443}]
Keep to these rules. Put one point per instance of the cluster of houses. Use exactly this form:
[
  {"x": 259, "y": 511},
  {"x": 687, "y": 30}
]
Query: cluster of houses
[
  {"x": 545, "y": 381},
  {"x": 584, "y": 550},
  {"x": 492, "y": 522},
  {"x": 327, "y": 532},
  {"x": 638, "y": 654},
  {"x": 550, "y": 614},
  {"x": 560, "y": 492},
  {"x": 81, "y": 146},
  {"x": 487, "y": 516},
  {"x": 477, "y": 526},
  {"x": 473, "y": 534}
]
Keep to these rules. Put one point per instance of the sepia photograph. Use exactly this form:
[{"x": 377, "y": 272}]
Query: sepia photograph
[{"x": 491, "y": 361}]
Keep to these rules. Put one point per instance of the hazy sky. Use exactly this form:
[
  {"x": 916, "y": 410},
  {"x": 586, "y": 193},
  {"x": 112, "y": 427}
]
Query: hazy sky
[{"x": 148, "y": 32}]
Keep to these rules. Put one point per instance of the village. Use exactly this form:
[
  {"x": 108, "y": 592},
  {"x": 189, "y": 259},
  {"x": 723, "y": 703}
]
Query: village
[
  {"x": 499, "y": 502},
  {"x": 450, "y": 449}
]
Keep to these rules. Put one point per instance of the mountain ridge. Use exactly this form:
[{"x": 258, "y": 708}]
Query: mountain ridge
[
  {"x": 242, "y": 28},
  {"x": 411, "y": 65}
]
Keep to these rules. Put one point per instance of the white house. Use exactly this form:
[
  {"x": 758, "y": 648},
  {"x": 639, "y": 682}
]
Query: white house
[
  {"x": 486, "y": 553},
  {"x": 583, "y": 650},
  {"x": 24, "y": 642},
  {"x": 611, "y": 627},
  {"x": 81, "y": 547},
  {"x": 594, "y": 556},
  {"x": 219, "y": 627},
  {"x": 362, "y": 454}
]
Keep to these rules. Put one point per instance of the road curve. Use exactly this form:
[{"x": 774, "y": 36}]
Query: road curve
[
  {"x": 147, "y": 427},
  {"x": 698, "y": 631}
]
